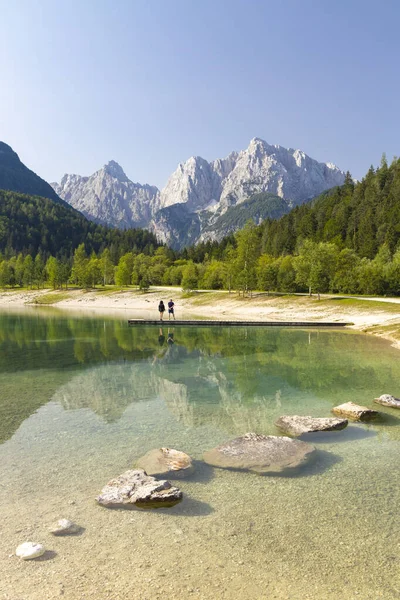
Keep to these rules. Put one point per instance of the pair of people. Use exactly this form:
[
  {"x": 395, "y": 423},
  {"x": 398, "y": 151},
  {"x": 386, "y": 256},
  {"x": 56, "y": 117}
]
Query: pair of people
[{"x": 161, "y": 310}]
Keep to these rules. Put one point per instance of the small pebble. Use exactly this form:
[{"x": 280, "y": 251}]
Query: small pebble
[
  {"x": 30, "y": 550},
  {"x": 65, "y": 527}
]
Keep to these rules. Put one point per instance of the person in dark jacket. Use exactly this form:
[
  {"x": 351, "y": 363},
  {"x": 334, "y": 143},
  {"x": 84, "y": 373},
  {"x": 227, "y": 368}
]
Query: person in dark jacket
[
  {"x": 171, "y": 309},
  {"x": 161, "y": 309}
]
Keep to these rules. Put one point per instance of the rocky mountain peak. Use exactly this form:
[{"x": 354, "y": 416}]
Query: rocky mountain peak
[{"x": 115, "y": 170}]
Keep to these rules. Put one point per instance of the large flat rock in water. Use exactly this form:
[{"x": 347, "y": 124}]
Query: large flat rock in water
[
  {"x": 297, "y": 425},
  {"x": 135, "y": 488},
  {"x": 166, "y": 462},
  {"x": 388, "y": 400},
  {"x": 355, "y": 412},
  {"x": 260, "y": 453}
]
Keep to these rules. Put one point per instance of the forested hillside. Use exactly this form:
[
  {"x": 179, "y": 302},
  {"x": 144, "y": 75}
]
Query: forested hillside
[
  {"x": 361, "y": 216},
  {"x": 30, "y": 224}
]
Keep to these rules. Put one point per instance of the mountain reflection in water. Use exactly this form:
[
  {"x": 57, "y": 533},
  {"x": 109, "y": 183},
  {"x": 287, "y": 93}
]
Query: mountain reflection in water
[{"x": 238, "y": 379}]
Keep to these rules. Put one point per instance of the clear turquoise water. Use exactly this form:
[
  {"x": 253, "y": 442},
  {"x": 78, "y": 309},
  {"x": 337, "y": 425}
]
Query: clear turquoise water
[{"x": 82, "y": 399}]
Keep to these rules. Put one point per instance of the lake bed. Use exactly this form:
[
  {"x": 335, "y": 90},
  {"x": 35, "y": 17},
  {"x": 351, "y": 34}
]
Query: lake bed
[{"x": 83, "y": 399}]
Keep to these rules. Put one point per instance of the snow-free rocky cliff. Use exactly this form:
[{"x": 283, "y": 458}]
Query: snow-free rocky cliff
[{"x": 201, "y": 193}]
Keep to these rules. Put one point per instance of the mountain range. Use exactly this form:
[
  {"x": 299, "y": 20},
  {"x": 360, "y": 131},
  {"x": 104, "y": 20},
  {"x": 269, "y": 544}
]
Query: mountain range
[{"x": 203, "y": 200}]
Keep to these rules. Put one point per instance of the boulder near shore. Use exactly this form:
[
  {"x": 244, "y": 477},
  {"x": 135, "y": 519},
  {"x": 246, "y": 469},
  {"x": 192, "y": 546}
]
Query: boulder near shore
[
  {"x": 355, "y": 412},
  {"x": 261, "y": 453},
  {"x": 388, "y": 400},
  {"x": 296, "y": 425},
  {"x": 135, "y": 488},
  {"x": 166, "y": 462}
]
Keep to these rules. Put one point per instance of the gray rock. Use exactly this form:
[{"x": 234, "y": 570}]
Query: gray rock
[
  {"x": 30, "y": 550},
  {"x": 296, "y": 425},
  {"x": 166, "y": 462},
  {"x": 355, "y": 412},
  {"x": 136, "y": 488},
  {"x": 388, "y": 400},
  {"x": 260, "y": 453},
  {"x": 65, "y": 527}
]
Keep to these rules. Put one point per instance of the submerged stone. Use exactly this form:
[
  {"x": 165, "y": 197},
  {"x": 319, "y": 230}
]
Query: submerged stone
[
  {"x": 388, "y": 400},
  {"x": 166, "y": 461},
  {"x": 30, "y": 550},
  {"x": 65, "y": 527},
  {"x": 135, "y": 488},
  {"x": 260, "y": 453},
  {"x": 297, "y": 425},
  {"x": 355, "y": 412}
]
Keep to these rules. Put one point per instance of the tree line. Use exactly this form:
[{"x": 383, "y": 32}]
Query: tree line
[{"x": 347, "y": 241}]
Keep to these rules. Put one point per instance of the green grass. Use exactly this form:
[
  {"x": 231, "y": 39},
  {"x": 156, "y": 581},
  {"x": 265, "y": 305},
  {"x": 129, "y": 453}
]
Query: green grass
[{"x": 51, "y": 298}]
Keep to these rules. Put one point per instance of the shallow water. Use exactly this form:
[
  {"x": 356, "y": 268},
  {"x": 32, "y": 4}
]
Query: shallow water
[{"x": 82, "y": 399}]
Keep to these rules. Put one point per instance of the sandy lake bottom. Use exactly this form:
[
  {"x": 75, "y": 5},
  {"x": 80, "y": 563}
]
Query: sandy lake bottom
[{"x": 82, "y": 399}]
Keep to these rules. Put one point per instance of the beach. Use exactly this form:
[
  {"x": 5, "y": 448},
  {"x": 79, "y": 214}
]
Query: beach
[{"x": 377, "y": 316}]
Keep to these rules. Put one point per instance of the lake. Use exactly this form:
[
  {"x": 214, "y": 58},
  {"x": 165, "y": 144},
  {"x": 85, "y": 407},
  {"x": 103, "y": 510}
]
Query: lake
[{"x": 83, "y": 398}]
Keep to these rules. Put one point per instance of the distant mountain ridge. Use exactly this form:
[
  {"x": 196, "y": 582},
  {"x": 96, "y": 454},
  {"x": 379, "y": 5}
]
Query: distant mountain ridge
[
  {"x": 16, "y": 177},
  {"x": 109, "y": 197},
  {"x": 201, "y": 192}
]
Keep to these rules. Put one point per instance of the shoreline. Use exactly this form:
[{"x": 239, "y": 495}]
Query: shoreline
[{"x": 380, "y": 317}]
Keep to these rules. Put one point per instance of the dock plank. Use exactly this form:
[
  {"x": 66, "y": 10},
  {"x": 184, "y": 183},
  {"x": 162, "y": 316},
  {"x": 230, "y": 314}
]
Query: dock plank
[{"x": 215, "y": 323}]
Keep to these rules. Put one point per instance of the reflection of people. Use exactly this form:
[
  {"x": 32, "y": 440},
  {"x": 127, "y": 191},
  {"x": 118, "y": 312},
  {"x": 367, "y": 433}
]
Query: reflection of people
[
  {"x": 170, "y": 338},
  {"x": 161, "y": 309},
  {"x": 171, "y": 305},
  {"x": 159, "y": 353}
]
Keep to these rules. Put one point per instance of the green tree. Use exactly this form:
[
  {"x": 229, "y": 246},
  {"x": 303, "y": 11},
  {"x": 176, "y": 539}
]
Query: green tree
[
  {"x": 94, "y": 272},
  {"x": 80, "y": 274},
  {"x": 248, "y": 249},
  {"x": 53, "y": 272},
  {"x": 345, "y": 279},
  {"x": 39, "y": 273},
  {"x": 267, "y": 273},
  {"x": 19, "y": 270},
  {"x": 5, "y": 273},
  {"x": 190, "y": 277},
  {"x": 123, "y": 271},
  {"x": 29, "y": 270},
  {"x": 107, "y": 267},
  {"x": 315, "y": 266}
]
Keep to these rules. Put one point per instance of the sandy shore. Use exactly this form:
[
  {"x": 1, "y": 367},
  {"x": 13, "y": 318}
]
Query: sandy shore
[{"x": 376, "y": 316}]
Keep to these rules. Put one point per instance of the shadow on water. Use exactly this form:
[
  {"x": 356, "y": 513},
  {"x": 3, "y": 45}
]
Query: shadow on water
[
  {"x": 189, "y": 507},
  {"x": 322, "y": 462},
  {"x": 349, "y": 434},
  {"x": 387, "y": 419},
  {"x": 203, "y": 472}
]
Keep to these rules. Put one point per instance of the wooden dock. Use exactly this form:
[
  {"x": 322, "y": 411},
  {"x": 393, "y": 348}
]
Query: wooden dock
[{"x": 198, "y": 323}]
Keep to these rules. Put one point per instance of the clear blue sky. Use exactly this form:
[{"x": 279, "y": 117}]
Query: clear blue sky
[{"x": 149, "y": 83}]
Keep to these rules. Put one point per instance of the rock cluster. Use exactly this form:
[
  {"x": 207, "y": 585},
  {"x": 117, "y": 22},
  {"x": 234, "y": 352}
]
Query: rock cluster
[
  {"x": 260, "y": 453},
  {"x": 135, "y": 488}
]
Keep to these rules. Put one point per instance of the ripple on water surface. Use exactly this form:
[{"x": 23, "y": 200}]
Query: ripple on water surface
[{"x": 83, "y": 399}]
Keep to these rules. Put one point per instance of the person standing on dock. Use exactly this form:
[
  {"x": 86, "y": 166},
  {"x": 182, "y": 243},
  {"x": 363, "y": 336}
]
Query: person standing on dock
[
  {"x": 161, "y": 309},
  {"x": 171, "y": 305}
]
